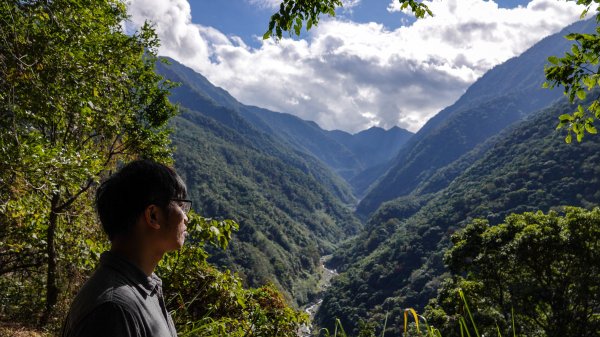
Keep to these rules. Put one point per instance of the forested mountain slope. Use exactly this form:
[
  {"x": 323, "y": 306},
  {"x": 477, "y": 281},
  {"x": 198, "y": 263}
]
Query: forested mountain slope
[
  {"x": 306, "y": 136},
  {"x": 196, "y": 93},
  {"x": 346, "y": 154},
  {"x": 290, "y": 207},
  {"x": 499, "y": 98},
  {"x": 352, "y": 156},
  {"x": 528, "y": 167}
]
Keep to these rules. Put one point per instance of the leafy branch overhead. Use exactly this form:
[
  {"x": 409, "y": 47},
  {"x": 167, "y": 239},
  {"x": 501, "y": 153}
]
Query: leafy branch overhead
[
  {"x": 577, "y": 71},
  {"x": 294, "y": 14}
]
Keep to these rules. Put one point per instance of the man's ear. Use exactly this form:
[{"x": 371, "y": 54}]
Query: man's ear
[{"x": 151, "y": 214}]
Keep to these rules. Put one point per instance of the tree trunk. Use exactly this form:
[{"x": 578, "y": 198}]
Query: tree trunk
[{"x": 51, "y": 281}]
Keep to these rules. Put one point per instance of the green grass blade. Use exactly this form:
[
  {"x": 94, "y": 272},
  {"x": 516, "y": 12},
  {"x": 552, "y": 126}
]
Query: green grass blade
[
  {"x": 384, "y": 324},
  {"x": 462, "y": 296},
  {"x": 512, "y": 312},
  {"x": 463, "y": 327}
]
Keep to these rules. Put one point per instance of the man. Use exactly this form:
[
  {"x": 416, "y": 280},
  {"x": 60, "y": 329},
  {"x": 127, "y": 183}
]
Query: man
[{"x": 143, "y": 210}]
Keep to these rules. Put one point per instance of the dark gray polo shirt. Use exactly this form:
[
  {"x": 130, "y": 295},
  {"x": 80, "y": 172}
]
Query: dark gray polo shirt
[{"x": 119, "y": 300}]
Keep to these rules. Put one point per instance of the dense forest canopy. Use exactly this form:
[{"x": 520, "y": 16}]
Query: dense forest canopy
[
  {"x": 398, "y": 260},
  {"x": 509, "y": 274}
]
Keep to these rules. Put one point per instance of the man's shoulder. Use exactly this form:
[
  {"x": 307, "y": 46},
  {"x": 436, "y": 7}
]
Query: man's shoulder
[
  {"x": 116, "y": 288},
  {"x": 105, "y": 319},
  {"x": 104, "y": 286}
]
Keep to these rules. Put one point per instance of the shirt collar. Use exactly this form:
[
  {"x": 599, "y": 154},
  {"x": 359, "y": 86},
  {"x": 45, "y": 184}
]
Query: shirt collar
[{"x": 147, "y": 285}]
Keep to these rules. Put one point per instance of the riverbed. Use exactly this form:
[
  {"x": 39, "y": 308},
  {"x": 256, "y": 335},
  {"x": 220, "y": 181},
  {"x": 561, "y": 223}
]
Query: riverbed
[{"x": 311, "y": 309}]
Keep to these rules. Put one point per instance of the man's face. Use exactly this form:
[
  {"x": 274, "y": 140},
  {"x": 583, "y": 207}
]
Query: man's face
[{"x": 174, "y": 232}]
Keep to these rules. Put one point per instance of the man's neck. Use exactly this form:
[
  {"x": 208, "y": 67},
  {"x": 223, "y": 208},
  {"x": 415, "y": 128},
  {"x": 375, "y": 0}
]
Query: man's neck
[{"x": 137, "y": 253}]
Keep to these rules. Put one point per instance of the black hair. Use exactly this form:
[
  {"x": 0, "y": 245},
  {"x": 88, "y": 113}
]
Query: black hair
[{"x": 125, "y": 195}]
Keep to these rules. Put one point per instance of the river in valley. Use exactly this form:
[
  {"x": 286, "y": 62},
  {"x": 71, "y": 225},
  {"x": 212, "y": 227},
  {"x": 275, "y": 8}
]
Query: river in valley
[{"x": 311, "y": 309}]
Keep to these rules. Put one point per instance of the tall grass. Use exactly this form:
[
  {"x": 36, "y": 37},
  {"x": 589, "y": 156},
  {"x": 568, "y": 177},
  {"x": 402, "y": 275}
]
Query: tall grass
[{"x": 429, "y": 331}]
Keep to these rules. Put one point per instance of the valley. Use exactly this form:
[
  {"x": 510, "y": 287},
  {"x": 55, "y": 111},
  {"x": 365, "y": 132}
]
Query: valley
[
  {"x": 490, "y": 154},
  {"x": 485, "y": 220}
]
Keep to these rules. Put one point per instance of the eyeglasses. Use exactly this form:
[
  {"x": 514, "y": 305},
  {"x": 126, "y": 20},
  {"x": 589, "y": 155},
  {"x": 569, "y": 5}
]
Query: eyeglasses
[{"x": 184, "y": 204}]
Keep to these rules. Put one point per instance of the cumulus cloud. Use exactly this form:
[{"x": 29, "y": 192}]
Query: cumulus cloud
[
  {"x": 351, "y": 76},
  {"x": 265, "y": 3},
  {"x": 350, "y": 3}
]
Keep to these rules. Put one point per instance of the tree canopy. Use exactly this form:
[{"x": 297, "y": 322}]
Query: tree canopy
[
  {"x": 77, "y": 95},
  {"x": 534, "y": 269}
]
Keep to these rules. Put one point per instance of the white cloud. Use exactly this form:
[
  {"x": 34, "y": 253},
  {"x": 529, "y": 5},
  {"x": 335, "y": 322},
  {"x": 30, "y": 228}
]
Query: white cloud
[
  {"x": 395, "y": 6},
  {"x": 351, "y": 76},
  {"x": 265, "y": 3},
  {"x": 350, "y": 3}
]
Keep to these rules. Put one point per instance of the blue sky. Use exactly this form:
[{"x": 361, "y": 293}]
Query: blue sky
[{"x": 371, "y": 65}]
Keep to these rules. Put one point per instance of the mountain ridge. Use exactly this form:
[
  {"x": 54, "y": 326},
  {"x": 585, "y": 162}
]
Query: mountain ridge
[
  {"x": 453, "y": 131},
  {"x": 341, "y": 155},
  {"x": 527, "y": 167}
]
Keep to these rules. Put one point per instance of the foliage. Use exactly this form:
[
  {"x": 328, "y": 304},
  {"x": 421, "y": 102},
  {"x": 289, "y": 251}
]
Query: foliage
[
  {"x": 77, "y": 95},
  {"x": 293, "y": 14},
  {"x": 413, "y": 323},
  {"x": 207, "y": 302},
  {"x": 512, "y": 277},
  {"x": 577, "y": 71},
  {"x": 253, "y": 127},
  {"x": 287, "y": 219},
  {"x": 384, "y": 223},
  {"x": 527, "y": 168}
]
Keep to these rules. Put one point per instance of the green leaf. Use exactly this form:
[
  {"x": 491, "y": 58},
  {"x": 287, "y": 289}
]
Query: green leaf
[
  {"x": 568, "y": 138},
  {"x": 565, "y": 118},
  {"x": 577, "y": 128},
  {"x": 581, "y": 94},
  {"x": 589, "y": 82},
  {"x": 553, "y": 59},
  {"x": 590, "y": 128},
  {"x": 588, "y": 37},
  {"x": 579, "y": 113}
]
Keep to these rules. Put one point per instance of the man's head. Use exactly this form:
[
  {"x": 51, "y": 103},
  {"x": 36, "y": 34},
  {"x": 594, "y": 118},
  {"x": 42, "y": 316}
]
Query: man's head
[{"x": 125, "y": 196}]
